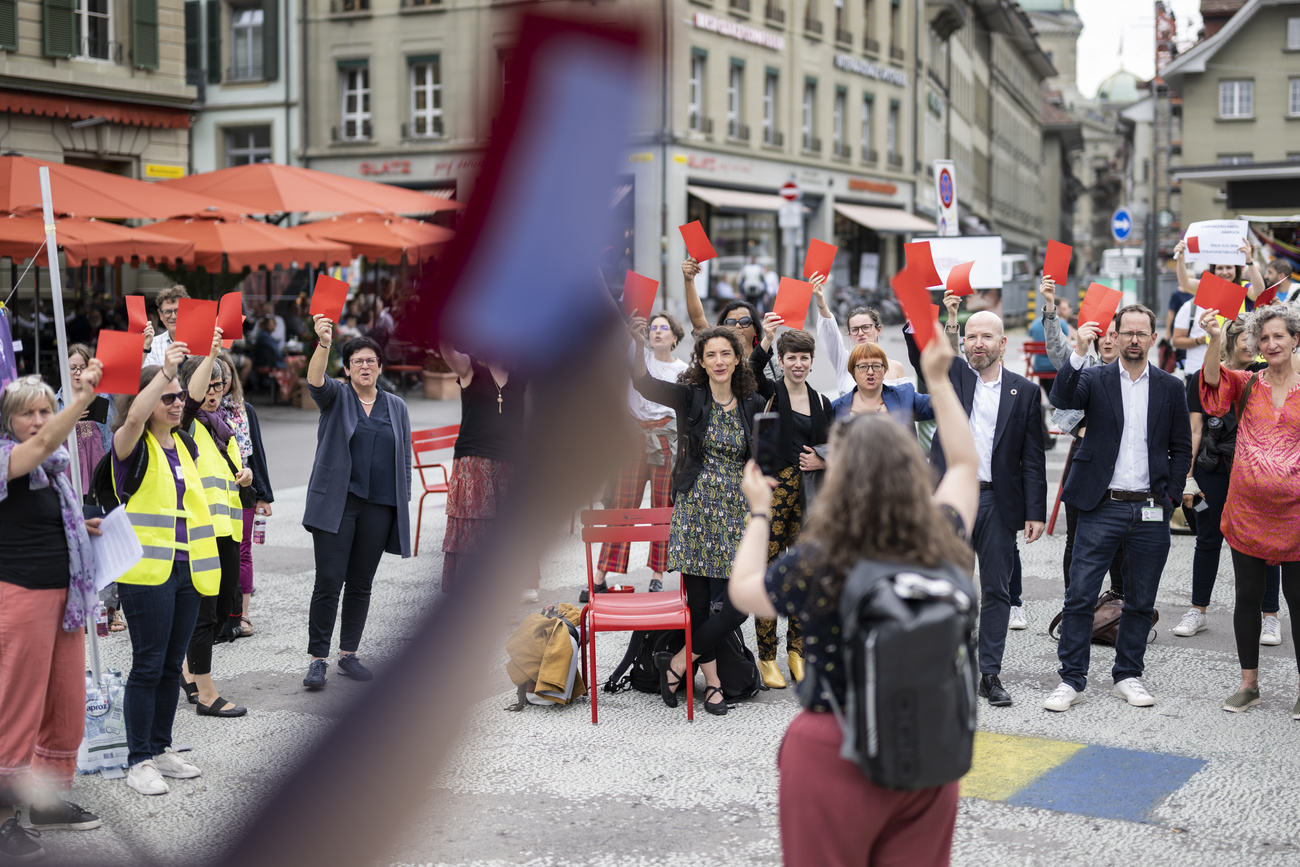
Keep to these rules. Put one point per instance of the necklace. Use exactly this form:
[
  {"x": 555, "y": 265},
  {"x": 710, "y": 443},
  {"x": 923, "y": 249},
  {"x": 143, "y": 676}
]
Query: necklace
[
  {"x": 370, "y": 402},
  {"x": 500, "y": 400}
]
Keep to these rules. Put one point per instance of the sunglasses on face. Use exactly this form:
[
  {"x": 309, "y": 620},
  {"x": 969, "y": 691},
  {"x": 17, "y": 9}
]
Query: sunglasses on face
[
  {"x": 743, "y": 322},
  {"x": 170, "y": 398}
]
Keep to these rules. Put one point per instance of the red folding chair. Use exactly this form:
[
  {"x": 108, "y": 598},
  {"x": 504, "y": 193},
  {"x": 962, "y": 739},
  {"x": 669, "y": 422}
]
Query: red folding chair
[
  {"x": 629, "y": 612},
  {"x": 1032, "y": 348},
  {"x": 423, "y": 443}
]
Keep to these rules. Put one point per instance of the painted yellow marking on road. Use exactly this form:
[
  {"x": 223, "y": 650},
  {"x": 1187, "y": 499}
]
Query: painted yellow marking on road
[{"x": 1005, "y": 764}]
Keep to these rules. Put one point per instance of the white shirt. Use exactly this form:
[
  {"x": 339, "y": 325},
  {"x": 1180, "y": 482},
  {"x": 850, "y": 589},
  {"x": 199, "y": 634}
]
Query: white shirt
[
  {"x": 984, "y": 420},
  {"x": 158, "y": 349},
  {"x": 648, "y": 410},
  {"x": 1132, "y": 470},
  {"x": 751, "y": 277},
  {"x": 1184, "y": 318}
]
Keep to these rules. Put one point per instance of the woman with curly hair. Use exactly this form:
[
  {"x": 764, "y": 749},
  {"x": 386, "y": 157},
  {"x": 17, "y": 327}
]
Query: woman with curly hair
[
  {"x": 715, "y": 399},
  {"x": 876, "y": 503}
]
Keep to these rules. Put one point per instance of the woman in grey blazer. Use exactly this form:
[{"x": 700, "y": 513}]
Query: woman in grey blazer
[{"x": 357, "y": 497}]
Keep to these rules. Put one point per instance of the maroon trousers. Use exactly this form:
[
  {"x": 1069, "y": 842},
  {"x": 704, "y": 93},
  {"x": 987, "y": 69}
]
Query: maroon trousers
[{"x": 833, "y": 816}]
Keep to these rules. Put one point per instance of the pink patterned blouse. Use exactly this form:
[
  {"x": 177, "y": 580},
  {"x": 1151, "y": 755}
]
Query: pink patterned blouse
[{"x": 1263, "y": 508}]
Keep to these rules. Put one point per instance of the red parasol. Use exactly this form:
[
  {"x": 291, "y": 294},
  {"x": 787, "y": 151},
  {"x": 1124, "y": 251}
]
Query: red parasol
[
  {"x": 246, "y": 243},
  {"x": 380, "y": 236},
  {"x": 93, "y": 241}
]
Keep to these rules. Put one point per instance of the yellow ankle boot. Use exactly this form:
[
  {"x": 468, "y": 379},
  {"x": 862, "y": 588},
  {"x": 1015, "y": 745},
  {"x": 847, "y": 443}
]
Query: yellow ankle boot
[
  {"x": 795, "y": 660},
  {"x": 771, "y": 675}
]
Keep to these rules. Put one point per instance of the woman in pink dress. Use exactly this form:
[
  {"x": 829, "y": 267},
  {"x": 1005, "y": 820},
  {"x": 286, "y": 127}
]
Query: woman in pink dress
[{"x": 1263, "y": 505}]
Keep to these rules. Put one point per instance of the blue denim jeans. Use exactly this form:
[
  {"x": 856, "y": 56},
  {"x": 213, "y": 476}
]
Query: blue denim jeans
[
  {"x": 1100, "y": 532},
  {"x": 995, "y": 547},
  {"x": 160, "y": 620}
]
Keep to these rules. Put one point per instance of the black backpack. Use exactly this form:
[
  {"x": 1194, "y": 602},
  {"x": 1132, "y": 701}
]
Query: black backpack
[
  {"x": 909, "y": 719},
  {"x": 737, "y": 668},
  {"x": 638, "y": 670},
  {"x": 102, "y": 490}
]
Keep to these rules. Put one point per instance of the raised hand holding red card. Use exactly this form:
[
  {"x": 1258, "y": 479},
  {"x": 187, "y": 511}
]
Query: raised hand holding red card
[
  {"x": 1099, "y": 305},
  {"x": 119, "y": 353},
  {"x": 136, "y": 315},
  {"x": 920, "y": 261},
  {"x": 328, "y": 297},
  {"x": 230, "y": 317},
  {"x": 792, "y": 299},
  {"x": 959, "y": 280},
  {"x": 819, "y": 258},
  {"x": 914, "y": 298},
  {"x": 639, "y": 294},
  {"x": 1057, "y": 262},
  {"x": 1215, "y": 293},
  {"x": 196, "y": 320},
  {"x": 697, "y": 242}
]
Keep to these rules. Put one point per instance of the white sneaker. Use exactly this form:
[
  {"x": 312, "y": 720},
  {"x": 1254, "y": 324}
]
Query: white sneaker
[
  {"x": 1063, "y": 699},
  {"x": 170, "y": 764},
  {"x": 1018, "y": 619},
  {"x": 146, "y": 780},
  {"x": 1193, "y": 621},
  {"x": 529, "y": 595},
  {"x": 1270, "y": 632},
  {"x": 1132, "y": 691}
]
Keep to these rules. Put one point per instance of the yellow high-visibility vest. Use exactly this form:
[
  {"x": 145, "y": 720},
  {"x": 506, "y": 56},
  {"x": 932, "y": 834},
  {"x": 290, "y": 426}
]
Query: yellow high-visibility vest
[
  {"x": 219, "y": 487},
  {"x": 153, "y": 513}
]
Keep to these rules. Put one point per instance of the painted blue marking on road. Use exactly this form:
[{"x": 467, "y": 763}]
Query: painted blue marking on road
[{"x": 1109, "y": 783}]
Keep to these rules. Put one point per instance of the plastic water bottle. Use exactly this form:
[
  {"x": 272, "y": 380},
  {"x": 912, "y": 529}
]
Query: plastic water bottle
[
  {"x": 101, "y": 620},
  {"x": 259, "y": 529}
]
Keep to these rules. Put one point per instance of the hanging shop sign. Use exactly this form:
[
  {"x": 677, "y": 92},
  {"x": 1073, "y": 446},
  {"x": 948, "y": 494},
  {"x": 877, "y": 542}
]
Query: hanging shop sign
[
  {"x": 849, "y": 63},
  {"x": 735, "y": 30}
]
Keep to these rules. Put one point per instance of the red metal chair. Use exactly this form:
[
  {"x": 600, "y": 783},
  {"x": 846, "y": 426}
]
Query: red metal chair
[
  {"x": 1032, "y": 348},
  {"x": 629, "y": 612},
  {"x": 424, "y": 442}
]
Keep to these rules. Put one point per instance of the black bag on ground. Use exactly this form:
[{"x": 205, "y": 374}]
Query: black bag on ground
[
  {"x": 737, "y": 668},
  {"x": 637, "y": 670},
  {"x": 909, "y": 720}
]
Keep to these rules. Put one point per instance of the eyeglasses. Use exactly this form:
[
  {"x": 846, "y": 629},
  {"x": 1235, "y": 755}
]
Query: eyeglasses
[
  {"x": 1130, "y": 336},
  {"x": 875, "y": 367},
  {"x": 661, "y": 328},
  {"x": 366, "y": 362},
  {"x": 76, "y": 368},
  {"x": 217, "y": 386},
  {"x": 743, "y": 322},
  {"x": 863, "y": 329},
  {"x": 168, "y": 312},
  {"x": 170, "y": 398}
]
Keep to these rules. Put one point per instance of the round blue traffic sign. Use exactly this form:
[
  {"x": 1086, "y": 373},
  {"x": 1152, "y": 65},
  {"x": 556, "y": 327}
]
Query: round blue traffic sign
[
  {"x": 1121, "y": 224},
  {"x": 945, "y": 188}
]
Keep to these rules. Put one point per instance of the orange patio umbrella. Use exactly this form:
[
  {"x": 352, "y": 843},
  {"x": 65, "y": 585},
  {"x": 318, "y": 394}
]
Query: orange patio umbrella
[
  {"x": 271, "y": 188},
  {"x": 88, "y": 193},
  {"x": 380, "y": 236},
  {"x": 246, "y": 243},
  {"x": 82, "y": 241}
]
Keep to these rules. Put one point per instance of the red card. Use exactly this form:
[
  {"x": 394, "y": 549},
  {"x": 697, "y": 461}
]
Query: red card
[
  {"x": 136, "y": 313},
  {"x": 329, "y": 297},
  {"x": 792, "y": 298},
  {"x": 916, "y": 303},
  {"x": 921, "y": 263},
  {"x": 196, "y": 320},
  {"x": 1193, "y": 245},
  {"x": 697, "y": 243},
  {"x": 639, "y": 294},
  {"x": 1268, "y": 296},
  {"x": 230, "y": 318},
  {"x": 819, "y": 257},
  {"x": 1099, "y": 305},
  {"x": 1215, "y": 293},
  {"x": 1057, "y": 263},
  {"x": 119, "y": 352},
  {"x": 959, "y": 279}
]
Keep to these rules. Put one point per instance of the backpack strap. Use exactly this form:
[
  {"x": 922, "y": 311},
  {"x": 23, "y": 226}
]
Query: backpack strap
[
  {"x": 1245, "y": 395},
  {"x": 616, "y": 682}
]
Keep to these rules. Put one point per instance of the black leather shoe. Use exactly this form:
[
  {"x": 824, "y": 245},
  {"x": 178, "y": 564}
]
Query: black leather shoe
[
  {"x": 719, "y": 707},
  {"x": 219, "y": 707},
  {"x": 991, "y": 688},
  {"x": 664, "y": 662},
  {"x": 584, "y": 597}
]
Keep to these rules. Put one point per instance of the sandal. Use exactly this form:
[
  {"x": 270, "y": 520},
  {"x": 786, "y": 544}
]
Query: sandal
[
  {"x": 717, "y": 708},
  {"x": 246, "y": 626},
  {"x": 116, "y": 622},
  {"x": 191, "y": 691}
]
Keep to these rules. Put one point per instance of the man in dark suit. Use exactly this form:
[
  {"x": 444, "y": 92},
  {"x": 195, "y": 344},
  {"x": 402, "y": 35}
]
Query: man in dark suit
[
  {"x": 1004, "y": 416},
  {"x": 1127, "y": 479}
]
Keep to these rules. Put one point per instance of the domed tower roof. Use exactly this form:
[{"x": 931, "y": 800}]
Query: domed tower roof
[{"x": 1120, "y": 88}]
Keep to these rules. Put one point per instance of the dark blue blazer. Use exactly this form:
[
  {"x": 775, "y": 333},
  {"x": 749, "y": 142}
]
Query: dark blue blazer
[
  {"x": 1019, "y": 465},
  {"x": 1096, "y": 391},
  {"x": 901, "y": 401}
]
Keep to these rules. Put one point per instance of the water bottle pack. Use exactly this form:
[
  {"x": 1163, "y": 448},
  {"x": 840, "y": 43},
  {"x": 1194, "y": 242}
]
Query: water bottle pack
[{"x": 104, "y": 746}]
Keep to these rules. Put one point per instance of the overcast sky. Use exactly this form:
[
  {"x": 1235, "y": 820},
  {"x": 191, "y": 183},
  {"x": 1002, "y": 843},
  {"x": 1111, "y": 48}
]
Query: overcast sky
[{"x": 1109, "y": 25}]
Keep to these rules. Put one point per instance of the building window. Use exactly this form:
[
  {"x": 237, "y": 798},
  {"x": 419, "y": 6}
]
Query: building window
[
  {"x": 868, "y": 17},
  {"x": 1237, "y": 98},
  {"x": 734, "y": 95},
  {"x": 94, "y": 24},
  {"x": 770, "y": 83},
  {"x": 1235, "y": 159},
  {"x": 891, "y": 133},
  {"x": 246, "y": 43},
  {"x": 809, "y": 114},
  {"x": 426, "y": 99},
  {"x": 837, "y": 121},
  {"x": 246, "y": 145},
  {"x": 895, "y": 49},
  {"x": 695, "y": 94},
  {"x": 356, "y": 103},
  {"x": 1293, "y": 97},
  {"x": 1293, "y": 34},
  {"x": 868, "y": 107}
]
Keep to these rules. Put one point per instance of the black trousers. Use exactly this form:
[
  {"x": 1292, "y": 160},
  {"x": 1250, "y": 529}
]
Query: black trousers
[
  {"x": 1252, "y": 577},
  {"x": 345, "y": 564},
  {"x": 708, "y": 629},
  {"x": 214, "y": 611}
]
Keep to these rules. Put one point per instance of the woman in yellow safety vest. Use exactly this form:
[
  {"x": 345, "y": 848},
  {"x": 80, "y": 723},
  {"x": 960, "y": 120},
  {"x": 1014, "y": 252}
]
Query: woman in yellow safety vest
[
  {"x": 160, "y": 594},
  {"x": 223, "y": 475}
]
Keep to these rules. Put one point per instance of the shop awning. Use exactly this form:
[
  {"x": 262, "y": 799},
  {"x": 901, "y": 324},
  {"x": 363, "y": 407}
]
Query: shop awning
[
  {"x": 736, "y": 200},
  {"x": 884, "y": 219},
  {"x": 71, "y": 108}
]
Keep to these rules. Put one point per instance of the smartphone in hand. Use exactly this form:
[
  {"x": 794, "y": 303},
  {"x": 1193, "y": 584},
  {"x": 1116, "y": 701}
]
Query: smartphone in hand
[{"x": 767, "y": 442}]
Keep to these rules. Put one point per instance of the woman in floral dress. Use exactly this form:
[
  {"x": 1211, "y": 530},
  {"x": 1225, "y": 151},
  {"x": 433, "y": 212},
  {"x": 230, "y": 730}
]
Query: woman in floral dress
[{"x": 715, "y": 400}]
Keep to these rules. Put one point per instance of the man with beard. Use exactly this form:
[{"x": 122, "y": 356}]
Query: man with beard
[
  {"x": 1127, "y": 479},
  {"x": 1004, "y": 417}
]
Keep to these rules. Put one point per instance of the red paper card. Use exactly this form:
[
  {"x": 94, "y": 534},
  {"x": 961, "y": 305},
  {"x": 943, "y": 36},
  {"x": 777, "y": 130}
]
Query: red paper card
[
  {"x": 196, "y": 320},
  {"x": 959, "y": 279},
  {"x": 1215, "y": 293},
  {"x": 792, "y": 298},
  {"x": 1193, "y": 245},
  {"x": 697, "y": 243},
  {"x": 329, "y": 297},
  {"x": 136, "y": 313},
  {"x": 230, "y": 318},
  {"x": 916, "y": 303},
  {"x": 1099, "y": 305},
  {"x": 1268, "y": 296},
  {"x": 921, "y": 263},
  {"x": 818, "y": 259},
  {"x": 639, "y": 294},
  {"x": 1057, "y": 263},
  {"x": 119, "y": 352}
]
